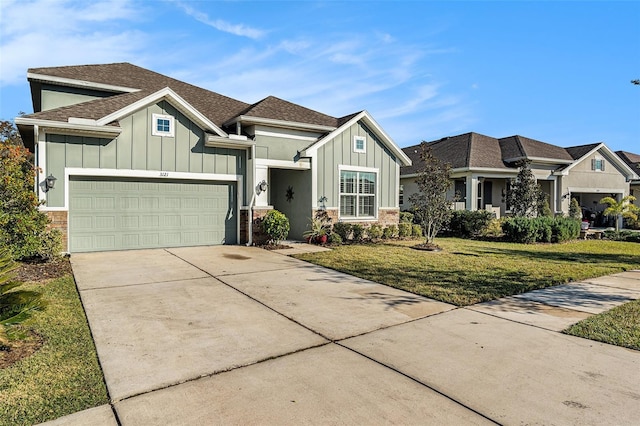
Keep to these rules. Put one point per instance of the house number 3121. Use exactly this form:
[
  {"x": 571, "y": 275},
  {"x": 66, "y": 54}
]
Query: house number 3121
[{"x": 164, "y": 174}]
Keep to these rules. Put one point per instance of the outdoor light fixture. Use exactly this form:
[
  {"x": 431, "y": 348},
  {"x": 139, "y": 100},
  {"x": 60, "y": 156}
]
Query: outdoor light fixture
[
  {"x": 262, "y": 186},
  {"x": 50, "y": 182}
]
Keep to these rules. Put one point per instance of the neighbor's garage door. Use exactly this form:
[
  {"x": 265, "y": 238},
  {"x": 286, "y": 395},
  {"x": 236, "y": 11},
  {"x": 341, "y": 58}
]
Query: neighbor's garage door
[{"x": 120, "y": 214}]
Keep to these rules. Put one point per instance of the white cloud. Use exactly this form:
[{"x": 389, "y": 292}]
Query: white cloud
[
  {"x": 220, "y": 25},
  {"x": 76, "y": 35}
]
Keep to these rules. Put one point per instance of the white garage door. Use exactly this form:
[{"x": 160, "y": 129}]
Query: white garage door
[{"x": 122, "y": 214}]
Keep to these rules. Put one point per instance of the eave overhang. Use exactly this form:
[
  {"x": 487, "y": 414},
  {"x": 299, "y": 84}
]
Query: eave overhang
[
  {"x": 233, "y": 141},
  {"x": 71, "y": 82},
  {"x": 250, "y": 120},
  {"x": 74, "y": 128}
]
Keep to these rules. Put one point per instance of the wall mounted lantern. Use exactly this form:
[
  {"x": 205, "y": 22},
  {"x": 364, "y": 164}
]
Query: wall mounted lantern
[
  {"x": 50, "y": 182},
  {"x": 262, "y": 186}
]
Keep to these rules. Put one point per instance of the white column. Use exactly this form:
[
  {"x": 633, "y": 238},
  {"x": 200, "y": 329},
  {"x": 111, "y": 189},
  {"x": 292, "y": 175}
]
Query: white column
[
  {"x": 262, "y": 174},
  {"x": 472, "y": 192}
]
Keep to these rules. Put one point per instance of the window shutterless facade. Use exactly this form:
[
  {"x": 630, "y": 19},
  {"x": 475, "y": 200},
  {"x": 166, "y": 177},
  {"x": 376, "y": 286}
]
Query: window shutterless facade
[
  {"x": 358, "y": 194},
  {"x": 163, "y": 125}
]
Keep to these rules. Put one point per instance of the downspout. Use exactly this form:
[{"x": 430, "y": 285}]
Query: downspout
[{"x": 253, "y": 196}]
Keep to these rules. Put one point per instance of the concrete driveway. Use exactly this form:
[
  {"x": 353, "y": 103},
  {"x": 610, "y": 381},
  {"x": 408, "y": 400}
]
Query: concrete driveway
[{"x": 242, "y": 335}]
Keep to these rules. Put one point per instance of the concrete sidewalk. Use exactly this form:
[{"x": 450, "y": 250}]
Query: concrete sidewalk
[{"x": 241, "y": 335}]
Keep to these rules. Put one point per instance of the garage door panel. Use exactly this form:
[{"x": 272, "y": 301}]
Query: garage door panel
[{"x": 129, "y": 214}]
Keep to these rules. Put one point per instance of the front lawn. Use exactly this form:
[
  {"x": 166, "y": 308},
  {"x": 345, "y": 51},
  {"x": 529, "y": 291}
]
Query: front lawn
[
  {"x": 619, "y": 326},
  {"x": 468, "y": 271},
  {"x": 63, "y": 376}
]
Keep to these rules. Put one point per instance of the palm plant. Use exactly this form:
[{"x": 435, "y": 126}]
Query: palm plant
[
  {"x": 15, "y": 305},
  {"x": 623, "y": 208}
]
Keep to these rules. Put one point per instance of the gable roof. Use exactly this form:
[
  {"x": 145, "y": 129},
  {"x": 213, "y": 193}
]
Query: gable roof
[
  {"x": 633, "y": 160},
  {"x": 368, "y": 120},
  {"x": 581, "y": 150}
]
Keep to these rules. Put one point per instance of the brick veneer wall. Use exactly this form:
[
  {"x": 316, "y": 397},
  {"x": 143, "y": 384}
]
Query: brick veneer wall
[{"x": 60, "y": 221}]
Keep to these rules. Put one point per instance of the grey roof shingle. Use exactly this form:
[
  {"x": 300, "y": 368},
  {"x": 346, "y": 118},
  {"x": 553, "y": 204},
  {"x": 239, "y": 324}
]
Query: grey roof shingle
[
  {"x": 580, "y": 150},
  {"x": 217, "y": 108},
  {"x": 473, "y": 150},
  {"x": 632, "y": 160},
  {"x": 279, "y": 109}
]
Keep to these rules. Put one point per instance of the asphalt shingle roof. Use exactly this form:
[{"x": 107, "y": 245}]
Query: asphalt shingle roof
[
  {"x": 217, "y": 108},
  {"x": 473, "y": 150},
  {"x": 632, "y": 160}
]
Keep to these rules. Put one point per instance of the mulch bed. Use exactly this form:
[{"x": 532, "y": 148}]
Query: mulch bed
[
  {"x": 20, "y": 349},
  {"x": 42, "y": 271}
]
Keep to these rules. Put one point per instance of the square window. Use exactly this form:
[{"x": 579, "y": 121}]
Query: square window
[
  {"x": 360, "y": 144},
  {"x": 163, "y": 125}
]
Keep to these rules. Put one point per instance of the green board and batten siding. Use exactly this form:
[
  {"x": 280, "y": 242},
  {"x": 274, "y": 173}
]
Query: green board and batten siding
[
  {"x": 118, "y": 214},
  {"x": 137, "y": 149},
  {"x": 339, "y": 151}
]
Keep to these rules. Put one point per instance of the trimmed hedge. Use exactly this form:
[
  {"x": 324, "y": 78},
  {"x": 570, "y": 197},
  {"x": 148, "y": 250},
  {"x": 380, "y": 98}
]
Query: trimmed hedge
[
  {"x": 540, "y": 229},
  {"x": 469, "y": 224}
]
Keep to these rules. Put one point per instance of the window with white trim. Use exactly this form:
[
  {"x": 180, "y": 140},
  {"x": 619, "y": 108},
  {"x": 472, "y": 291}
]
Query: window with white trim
[
  {"x": 357, "y": 194},
  {"x": 360, "y": 144},
  {"x": 163, "y": 125}
]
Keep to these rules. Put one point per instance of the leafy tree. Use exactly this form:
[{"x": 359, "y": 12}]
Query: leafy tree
[
  {"x": 15, "y": 305},
  {"x": 544, "y": 210},
  {"x": 9, "y": 133},
  {"x": 23, "y": 227},
  {"x": 623, "y": 208},
  {"x": 524, "y": 194},
  {"x": 430, "y": 203},
  {"x": 574, "y": 210}
]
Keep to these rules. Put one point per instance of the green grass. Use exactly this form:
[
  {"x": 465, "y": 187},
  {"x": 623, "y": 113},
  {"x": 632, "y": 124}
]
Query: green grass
[
  {"x": 467, "y": 271},
  {"x": 619, "y": 326},
  {"x": 64, "y": 375}
]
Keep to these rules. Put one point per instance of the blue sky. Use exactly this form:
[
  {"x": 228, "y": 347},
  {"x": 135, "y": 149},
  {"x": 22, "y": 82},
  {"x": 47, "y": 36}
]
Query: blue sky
[{"x": 558, "y": 72}]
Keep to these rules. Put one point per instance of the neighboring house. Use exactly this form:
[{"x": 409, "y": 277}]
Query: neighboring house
[
  {"x": 143, "y": 160},
  {"x": 483, "y": 166},
  {"x": 633, "y": 161}
]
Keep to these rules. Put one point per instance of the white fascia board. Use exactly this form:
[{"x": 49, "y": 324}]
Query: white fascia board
[
  {"x": 246, "y": 119},
  {"x": 60, "y": 127},
  {"x": 222, "y": 142},
  {"x": 303, "y": 164},
  {"x": 612, "y": 157},
  {"x": 174, "y": 99},
  {"x": 366, "y": 117},
  {"x": 79, "y": 83}
]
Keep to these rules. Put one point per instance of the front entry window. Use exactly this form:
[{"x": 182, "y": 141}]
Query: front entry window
[{"x": 357, "y": 194}]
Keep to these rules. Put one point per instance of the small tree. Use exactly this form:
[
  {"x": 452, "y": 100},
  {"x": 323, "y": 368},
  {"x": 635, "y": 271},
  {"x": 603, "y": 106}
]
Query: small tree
[
  {"x": 623, "y": 208},
  {"x": 574, "y": 210},
  {"x": 430, "y": 203},
  {"x": 524, "y": 194},
  {"x": 23, "y": 227}
]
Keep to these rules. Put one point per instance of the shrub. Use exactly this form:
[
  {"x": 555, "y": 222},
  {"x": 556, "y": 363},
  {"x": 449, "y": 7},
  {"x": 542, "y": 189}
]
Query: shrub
[
  {"x": 406, "y": 217},
  {"x": 468, "y": 224},
  {"x": 416, "y": 230},
  {"x": 404, "y": 229},
  {"x": 493, "y": 229},
  {"x": 520, "y": 230},
  {"x": 390, "y": 231},
  {"x": 574, "y": 210},
  {"x": 23, "y": 227},
  {"x": 565, "y": 229},
  {"x": 358, "y": 232},
  {"x": 335, "y": 239},
  {"x": 343, "y": 229},
  {"x": 276, "y": 225},
  {"x": 375, "y": 231},
  {"x": 544, "y": 229}
]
